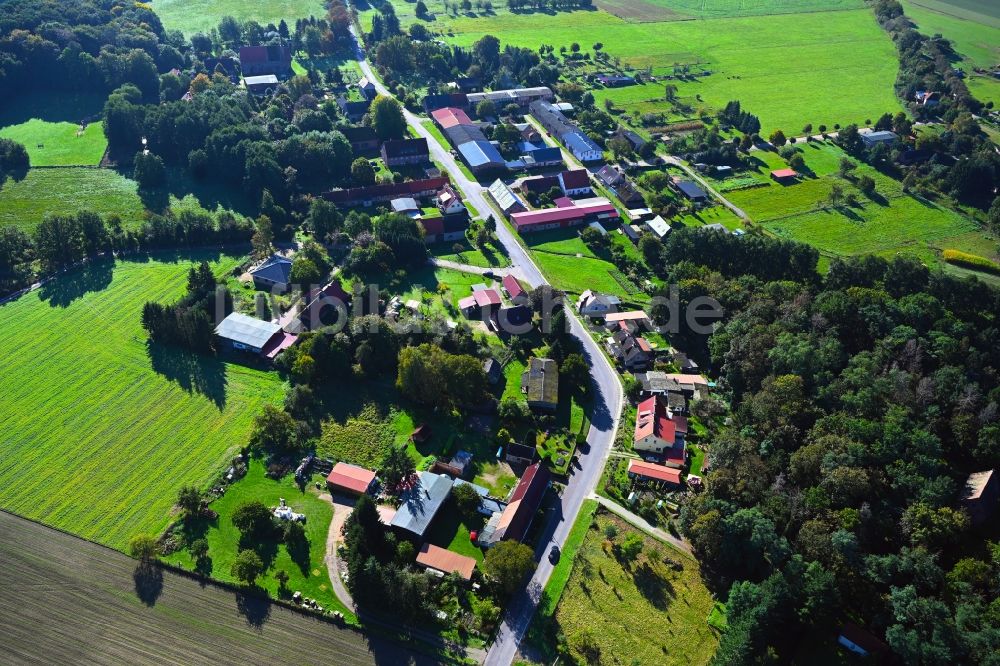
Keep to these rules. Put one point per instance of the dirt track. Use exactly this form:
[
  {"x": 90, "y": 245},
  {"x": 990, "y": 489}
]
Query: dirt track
[{"x": 65, "y": 600}]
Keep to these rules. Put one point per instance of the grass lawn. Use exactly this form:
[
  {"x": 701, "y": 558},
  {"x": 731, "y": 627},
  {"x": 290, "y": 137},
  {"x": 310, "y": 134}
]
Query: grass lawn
[
  {"x": 47, "y": 124},
  {"x": 571, "y": 266},
  {"x": 307, "y": 571},
  {"x": 107, "y": 430},
  {"x": 451, "y": 531},
  {"x": 58, "y": 144},
  {"x": 887, "y": 224},
  {"x": 782, "y": 68},
  {"x": 469, "y": 255},
  {"x": 641, "y": 612},
  {"x": 24, "y": 203},
  {"x": 191, "y": 16}
]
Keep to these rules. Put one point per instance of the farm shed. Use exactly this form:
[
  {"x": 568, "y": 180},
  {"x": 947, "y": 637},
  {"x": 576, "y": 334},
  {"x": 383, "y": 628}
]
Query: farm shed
[{"x": 350, "y": 479}]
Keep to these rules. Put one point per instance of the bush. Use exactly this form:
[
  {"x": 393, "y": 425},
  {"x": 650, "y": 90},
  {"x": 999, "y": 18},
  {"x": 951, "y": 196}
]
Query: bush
[{"x": 973, "y": 261}]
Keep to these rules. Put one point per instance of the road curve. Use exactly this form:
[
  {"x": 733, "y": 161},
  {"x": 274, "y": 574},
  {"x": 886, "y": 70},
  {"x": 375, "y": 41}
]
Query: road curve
[{"x": 608, "y": 397}]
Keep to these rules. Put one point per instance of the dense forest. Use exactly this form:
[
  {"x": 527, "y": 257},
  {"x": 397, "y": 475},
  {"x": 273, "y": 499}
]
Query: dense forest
[{"x": 861, "y": 402}]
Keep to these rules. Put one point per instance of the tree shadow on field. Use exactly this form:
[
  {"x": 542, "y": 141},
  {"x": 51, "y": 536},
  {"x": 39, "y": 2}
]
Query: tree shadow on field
[
  {"x": 67, "y": 287},
  {"x": 148, "y": 579},
  {"x": 193, "y": 372},
  {"x": 652, "y": 585},
  {"x": 254, "y": 607}
]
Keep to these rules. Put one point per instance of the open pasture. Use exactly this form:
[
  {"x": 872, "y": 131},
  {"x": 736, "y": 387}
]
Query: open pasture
[
  {"x": 783, "y": 68},
  {"x": 888, "y": 223},
  {"x": 24, "y": 203},
  {"x": 645, "y": 609},
  {"x": 191, "y": 16},
  {"x": 100, "y": 431},
  {"x": 57, "y": 130}
]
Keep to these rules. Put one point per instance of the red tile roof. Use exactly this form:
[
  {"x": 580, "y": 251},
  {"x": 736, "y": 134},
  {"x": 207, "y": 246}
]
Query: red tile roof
[
  {"x": 571, "y": 213},
  {"x": 351, "y": 477},
  {"x": 652, "y": 419},
  {"x": 784, "y": 173},
  {"x": 513, "y": 287},
  {"x": 433, "y": 225},
  {"x": 524, "y": 502},
  {"x": 486, "y": 297},
  {"x": 385, "y": 190},
  {"x": 440, "y": 559},
  {"x": 450, "y": 117},
  {"x": 654, "y": 471}
]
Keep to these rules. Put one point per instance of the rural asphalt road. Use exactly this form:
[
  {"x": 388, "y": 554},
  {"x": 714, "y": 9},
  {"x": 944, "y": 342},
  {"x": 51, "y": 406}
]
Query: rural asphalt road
[{"x": 608, "y": 398}]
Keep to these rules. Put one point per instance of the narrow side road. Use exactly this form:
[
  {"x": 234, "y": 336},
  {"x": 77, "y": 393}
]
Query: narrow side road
[
  {"x": 638, "y": 521},
  {"x": 694, "y": 175}
]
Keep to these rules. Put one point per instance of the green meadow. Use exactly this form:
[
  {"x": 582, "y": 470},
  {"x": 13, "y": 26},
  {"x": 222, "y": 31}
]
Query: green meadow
[
  {"x": 306, "y": 568},
  {"x": 665, "y": 10},
  {"x": 25, "y": 202},
  {"x": 49, "y": 127},
  {"x": 100, "y": 430},
  {"x": 653, "y": 609},
  {"x": 59, "y": 144},
  {"x": 887, "y": 223},
  {"x": 573, "y": 267},
  {"x": 783, "y": 68},
  {"x": 191, "y": 16}
]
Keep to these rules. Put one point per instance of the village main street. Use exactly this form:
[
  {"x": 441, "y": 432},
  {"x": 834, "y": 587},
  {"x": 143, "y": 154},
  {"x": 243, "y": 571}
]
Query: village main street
[{"x": 608, "y": 397}]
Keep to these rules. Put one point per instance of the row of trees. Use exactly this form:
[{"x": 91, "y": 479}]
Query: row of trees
[{"x": 60, "y": 241}]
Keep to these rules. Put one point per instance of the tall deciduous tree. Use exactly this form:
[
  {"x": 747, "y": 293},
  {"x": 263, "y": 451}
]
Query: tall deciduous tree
[{"x": 386, "y": 117}]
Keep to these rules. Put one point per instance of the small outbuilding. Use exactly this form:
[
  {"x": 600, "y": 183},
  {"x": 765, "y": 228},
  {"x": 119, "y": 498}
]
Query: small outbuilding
[
  {"x": 350, "y": 479},
  {"x": 443, "y": 562},
  {"x": 784, "y": 176}
]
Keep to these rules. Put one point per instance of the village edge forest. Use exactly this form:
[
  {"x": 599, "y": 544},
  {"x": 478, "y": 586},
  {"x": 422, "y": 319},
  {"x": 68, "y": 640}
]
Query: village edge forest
[{"x": 586, "y": 331}]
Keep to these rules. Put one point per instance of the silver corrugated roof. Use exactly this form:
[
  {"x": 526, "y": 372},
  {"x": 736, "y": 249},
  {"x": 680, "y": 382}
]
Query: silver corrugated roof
[{"x": 246, "y": 330}]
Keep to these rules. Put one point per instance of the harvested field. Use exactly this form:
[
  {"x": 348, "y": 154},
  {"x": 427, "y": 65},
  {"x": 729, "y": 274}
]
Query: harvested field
[{"x": 82, "y": 598}]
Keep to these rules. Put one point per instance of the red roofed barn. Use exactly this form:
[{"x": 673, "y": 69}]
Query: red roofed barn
[{"x": 350, "y": 479}]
